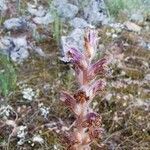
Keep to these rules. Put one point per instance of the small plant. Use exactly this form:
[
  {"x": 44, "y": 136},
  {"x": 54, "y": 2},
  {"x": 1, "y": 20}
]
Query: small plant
[
  {"x": 116, "y": 6},
  {"x": 20, "y": 7},
  {"x": 87, "y": 125},
  {"x": 1, "y": 19},
  {"x": 57, "y": 24},
  {"x": 7, "y": 75}
]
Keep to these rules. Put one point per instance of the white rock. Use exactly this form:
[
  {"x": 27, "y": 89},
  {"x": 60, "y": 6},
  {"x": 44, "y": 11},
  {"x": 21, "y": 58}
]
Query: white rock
[
  {"x": 64, "y": 9},
  {"x": 39, "y": 12},
  {"x": 58, "y": 2},
  {"x": 4, "y": 42},
  {"x": 114, "y": 36},
  {"x": 147, "y": 77},
  {"x": 116, "y": 26},
  {"x": 20, "y": 41},
  {"x": 95, "y": 12},
  {"x": 21, "y": 134},
  {"x": 132, "y": 26},
  {"x": 20, "y": 52},
  {"x": 38, "y": 139},
  {"x": 56, "y": 147},
  {"x": 74, "y": 39},
  {"x": 21, "y": 131},
  {"x": 68, "y": 12},
  {"x": 45, "y": 20},
  {"x": 40, "y": 51},
  {"x": 5, "y": 111},
  {"x": 41, "y": 15},
  {"x": 44, "y": 111},
  {"x": 15, "y": 23},
  {"x": 16, "y": 48},
  {"x": 108, "y": 96},
  {"x": 78, "y": 23},
  {"x": 28, "y": 94},
  {"x": 19, "y": 56},
  {"x": 144, "y": 44},
  {"x": 3, "y": 5},
  {"x": 137, "y": 17}
]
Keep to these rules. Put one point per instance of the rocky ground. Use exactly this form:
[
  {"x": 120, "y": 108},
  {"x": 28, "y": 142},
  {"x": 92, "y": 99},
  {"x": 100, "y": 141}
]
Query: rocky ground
[{"x": 32, "y": 36}]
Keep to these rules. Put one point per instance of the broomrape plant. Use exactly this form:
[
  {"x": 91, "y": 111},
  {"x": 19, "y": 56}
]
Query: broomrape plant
[{"x": 87, "y": 125}]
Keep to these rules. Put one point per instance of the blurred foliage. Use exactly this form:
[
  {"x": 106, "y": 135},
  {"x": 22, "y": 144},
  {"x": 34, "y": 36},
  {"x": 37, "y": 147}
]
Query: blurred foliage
[
  {"x": 115, "y": 7},
  {"x": 57, "y": 24},
  {"x": 21, "y": 7},
  {"x": 8, "y": 76},
  {"x": 1, "y": 19}
]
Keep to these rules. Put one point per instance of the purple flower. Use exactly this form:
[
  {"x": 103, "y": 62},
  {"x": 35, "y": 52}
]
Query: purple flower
[
  {"x": 86, "y": 127},
  {"x": 93, "y": 119},
  {"x": 90, "y": 40},
  {"x": 97, "y": 68},
  {"x": 95, "y": 88},
  {"x": 80, "y": 64},
  {"x": 77, "y": 58},
  {"x": 68, "y": 100},
  {"x": 92, "y": 37},
  {"x": 95, "y": 133}
]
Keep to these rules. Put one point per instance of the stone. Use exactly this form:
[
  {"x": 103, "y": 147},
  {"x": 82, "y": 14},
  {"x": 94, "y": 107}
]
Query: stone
[
  {"x": 65, "y": 9},
  {"x": 78, "y": 23},
  {"x": 137, "y": 17},
  {"x": 147, "y": 77},
  {"x": 132, "y": 26},
  {"x": 15, "y": 48},
  {"x": 28, "y": 94},
  {"x": 116, "y": 25},
  {"x": 3, "y": 5},
  {"x": 45, "y": 20},
  {"x": 41, "y": 15},
  {"x": 114, "y": 35},
  {"x": 38, "y": 138},
  {"x": 58, "y": 2},
  {"x": 68, "y": 12},
  {"x": 20, "y": 52},
  {"x": 40, "y": 51},
  {"x": 74, "y": 39},
  {"x": 36, "y": 11},
  {"x": 148, "y": 46},
  {"x": 95, "y": 12},
  {"x": 143, "y": 44},
  {"x": 15, "y": 24}
]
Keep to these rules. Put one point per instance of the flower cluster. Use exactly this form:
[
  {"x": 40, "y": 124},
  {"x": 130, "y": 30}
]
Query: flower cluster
[{"x": 87, "y": 126}]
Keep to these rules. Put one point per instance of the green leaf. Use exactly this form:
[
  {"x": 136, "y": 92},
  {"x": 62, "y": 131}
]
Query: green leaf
[{"x": 8, "y": 76}]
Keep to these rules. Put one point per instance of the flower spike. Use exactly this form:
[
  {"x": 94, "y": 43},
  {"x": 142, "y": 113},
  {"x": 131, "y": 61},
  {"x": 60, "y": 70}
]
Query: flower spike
[
  {"x": 87, "y": 125},
  {"x": 77, "y": 58},
  {"x": 98, "y": 68},
  {"x": 68, "y": 100},
  {"x": 90, "y": 40}
]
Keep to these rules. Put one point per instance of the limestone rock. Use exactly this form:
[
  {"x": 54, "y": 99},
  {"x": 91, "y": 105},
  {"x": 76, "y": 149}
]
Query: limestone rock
[
  {"x": 78, "y": 23},
  {"x": 16, "y": 48},
  {"x": 132, "y": 26},
  {"x": 15, "y": 23}
]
